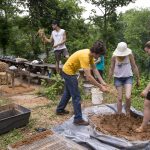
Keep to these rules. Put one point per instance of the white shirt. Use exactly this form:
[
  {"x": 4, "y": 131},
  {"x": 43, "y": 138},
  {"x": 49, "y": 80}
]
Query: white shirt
[
  {"x": 58, "y": 38},
  {"x": 123, "y": 69}
]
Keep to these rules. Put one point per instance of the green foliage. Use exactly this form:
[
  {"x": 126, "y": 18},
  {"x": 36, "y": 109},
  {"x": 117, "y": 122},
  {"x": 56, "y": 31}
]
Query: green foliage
[
  {"x": 108, "y": 9},
  {"x": 143, "y": 84},
  {"x": 51, "y": 58},
  {"x": 10, "y": 137},
  {"x": 84, "y": 96},
  {"x": 44, "y": 12},
  {"x": 19, "y": 38},
  {"x": 137, "y": 101},
  {"x": 8, "y": 9},
  {"x": 136, "y": 33},
  {"x": 4, "y": 34},
  {"x": 55, "y": 88},
  {"x": 136, "y": 24}
]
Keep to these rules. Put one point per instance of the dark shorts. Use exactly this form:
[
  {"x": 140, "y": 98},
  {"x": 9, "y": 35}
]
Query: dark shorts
[
  {"x": 122, "y": 81},
  {"x": 148, "y": 95},
  {"x": 59, "y": 53}
]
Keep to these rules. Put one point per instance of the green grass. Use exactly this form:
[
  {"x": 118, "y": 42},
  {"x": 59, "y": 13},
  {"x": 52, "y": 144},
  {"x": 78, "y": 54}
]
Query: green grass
[
  {"x": 138, "y": 103},
  {"x": 4, "y": 101},
  {"x": 16, "y": 135},
  {"x": 10, "y": 137}
]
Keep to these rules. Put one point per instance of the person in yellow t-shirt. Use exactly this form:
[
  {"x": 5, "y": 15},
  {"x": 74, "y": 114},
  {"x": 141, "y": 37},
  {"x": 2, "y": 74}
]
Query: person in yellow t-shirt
[{"x": 81, "y": 59}]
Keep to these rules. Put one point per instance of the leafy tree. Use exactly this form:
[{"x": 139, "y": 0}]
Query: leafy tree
[
  {"x": 137, "y": 33},
  {"x": 4, "y": 34},
  {"x": 42, "y": 13},
  {"x": 107, "y": 8},
  {"x": 8, "y": 9},
  {"x": 137, "y": 29}
]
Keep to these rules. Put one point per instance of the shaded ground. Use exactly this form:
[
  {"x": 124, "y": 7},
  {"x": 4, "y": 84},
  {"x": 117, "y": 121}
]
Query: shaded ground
[{"x": 121, "y": 126}]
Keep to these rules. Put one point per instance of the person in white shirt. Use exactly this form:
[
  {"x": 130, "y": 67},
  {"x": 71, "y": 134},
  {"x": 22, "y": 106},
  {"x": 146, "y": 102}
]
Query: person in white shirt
[{"x": 58, "y": 38}]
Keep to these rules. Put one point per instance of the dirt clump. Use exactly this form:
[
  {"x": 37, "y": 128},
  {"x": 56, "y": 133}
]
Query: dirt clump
[
  {"x": 120, "y": 126},
  {"x": 32, "y": 139}
]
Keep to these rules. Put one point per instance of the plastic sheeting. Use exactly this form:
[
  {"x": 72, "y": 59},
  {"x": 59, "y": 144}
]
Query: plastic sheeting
[{"x": 88, "y": 137}]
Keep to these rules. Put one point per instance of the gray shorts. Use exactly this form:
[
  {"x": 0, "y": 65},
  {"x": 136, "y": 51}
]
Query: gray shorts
[
  {"x": 122, "y": 81},
  {"x": 59, "y": 53}
]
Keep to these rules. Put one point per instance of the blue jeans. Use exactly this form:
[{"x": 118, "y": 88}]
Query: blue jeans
[
  {"x": 71, "y": 90},
  {"x": 122, "y": 81}
]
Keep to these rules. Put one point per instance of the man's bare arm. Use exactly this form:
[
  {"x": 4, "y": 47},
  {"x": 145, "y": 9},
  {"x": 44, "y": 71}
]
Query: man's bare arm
[
  {"x": 145, "y": 91},
  {"x": 48, "y": 40},
  {"x": 95, "y": 71},
  {"x": 92, "y": 80}
]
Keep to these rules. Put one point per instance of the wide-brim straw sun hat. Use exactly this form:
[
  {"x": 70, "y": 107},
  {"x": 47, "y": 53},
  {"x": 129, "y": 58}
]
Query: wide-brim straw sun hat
[{"x": 122, "y": 50}]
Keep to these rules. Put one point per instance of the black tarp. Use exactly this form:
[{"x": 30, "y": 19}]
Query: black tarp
[{"x": 88, "y": 137}]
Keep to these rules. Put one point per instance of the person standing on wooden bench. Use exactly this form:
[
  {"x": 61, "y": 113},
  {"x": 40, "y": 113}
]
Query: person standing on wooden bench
[
  {"x": 58, "y": 38},
  {"x": 81, "y": 59}
]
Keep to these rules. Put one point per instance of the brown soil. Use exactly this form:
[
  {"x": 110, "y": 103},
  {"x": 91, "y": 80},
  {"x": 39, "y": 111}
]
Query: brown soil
[
  {"x": 121, "y": 126},
  {"x": 18, "y": 89},
  {"x": 32, "y": 139},
  {"x": 30, "y": 100}
]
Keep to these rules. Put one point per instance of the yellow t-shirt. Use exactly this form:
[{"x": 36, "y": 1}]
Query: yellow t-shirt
[{"x": 78, "y": 60}]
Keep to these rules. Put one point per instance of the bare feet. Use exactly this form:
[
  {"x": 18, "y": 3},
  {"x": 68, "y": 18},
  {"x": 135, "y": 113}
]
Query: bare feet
[
  {"x": 120, "y": 113},
  {"x": 140, "y": 130}
]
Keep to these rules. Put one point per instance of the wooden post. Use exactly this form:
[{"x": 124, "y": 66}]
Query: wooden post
[
  {"x": 29, "y": 78},
  {"x": 13, "y": 76},
  {"x": 21, "y": 76}
]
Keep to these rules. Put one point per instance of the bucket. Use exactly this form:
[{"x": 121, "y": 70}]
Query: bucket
[
  {"x": 97, "y": 96},
  {"x": 87, "y": 88}
]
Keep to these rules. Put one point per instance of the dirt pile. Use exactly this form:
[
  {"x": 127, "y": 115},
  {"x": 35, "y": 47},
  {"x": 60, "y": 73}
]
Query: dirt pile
[{"x": 121, "y": 126}]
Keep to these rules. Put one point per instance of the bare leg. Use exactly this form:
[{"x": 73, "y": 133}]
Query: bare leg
[
  {"x": 128, "y": 89},
  {"x": 146, "y": 116},
  {"x": 58, "y": 58},
  {"x": 119, "y": 101}
]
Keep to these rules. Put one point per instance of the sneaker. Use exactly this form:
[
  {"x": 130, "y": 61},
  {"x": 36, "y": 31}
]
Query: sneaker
[
  {"x": 64, "y": 112},
  {"x": 81, "y": 122}
]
